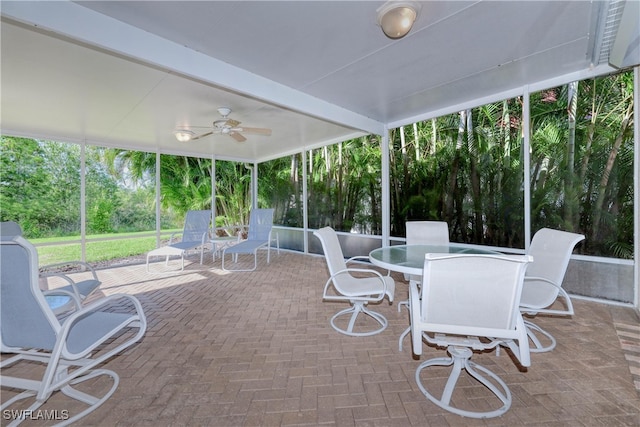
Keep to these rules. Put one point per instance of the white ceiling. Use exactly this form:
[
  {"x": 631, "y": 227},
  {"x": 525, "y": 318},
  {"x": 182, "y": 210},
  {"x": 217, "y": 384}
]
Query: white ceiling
[{"x": 128, "y": 73}]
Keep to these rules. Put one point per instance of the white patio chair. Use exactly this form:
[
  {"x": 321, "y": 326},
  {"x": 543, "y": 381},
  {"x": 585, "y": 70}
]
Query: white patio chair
[
  {"x": 66, "y": 297},
  {"x": 358, "y": 291},
  {"x": 70, "y": 349},
  {"x": 469, "y": 302},
  {"x": 424, "y": 233},
  {"x": 551, "y": 251},
  {"x": 258, "y": 237},
  {"x": 195, "y": 234}
]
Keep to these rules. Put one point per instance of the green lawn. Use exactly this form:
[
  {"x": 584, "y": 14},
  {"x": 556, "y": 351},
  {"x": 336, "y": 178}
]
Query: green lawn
[{"x": 99, "y": 251}]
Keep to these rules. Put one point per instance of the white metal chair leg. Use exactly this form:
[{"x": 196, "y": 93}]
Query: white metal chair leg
[
  {"x": 402, "y": 337},
  {"x": 460, "y": 360},
  {"x": 538, "y": 347}
]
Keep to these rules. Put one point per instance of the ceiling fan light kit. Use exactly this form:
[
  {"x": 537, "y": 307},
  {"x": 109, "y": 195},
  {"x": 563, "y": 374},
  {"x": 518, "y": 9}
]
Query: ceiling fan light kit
[
  {"x": 224, "y": 111},
  {"x": 183, "y": 135},
  {"x": 397, "y": 17}
]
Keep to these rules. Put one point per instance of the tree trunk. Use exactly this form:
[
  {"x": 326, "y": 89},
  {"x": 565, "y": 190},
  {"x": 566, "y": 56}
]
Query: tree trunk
[
  {"x": 475, "y": 180},
  {"x": 604, "y": 181},
  {"x": 434, "y": 136},
  {"x": 590, "y": 133},
  {"x": 416, "y": 140},
  {"x": 453, "y": 173}
]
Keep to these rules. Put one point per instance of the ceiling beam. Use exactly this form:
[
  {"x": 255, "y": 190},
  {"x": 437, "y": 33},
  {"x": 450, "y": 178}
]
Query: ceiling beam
[{"x": 84, "y": 25}]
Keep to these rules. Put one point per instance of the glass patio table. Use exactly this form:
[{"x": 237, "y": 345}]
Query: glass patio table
[{"x": 409, "y": 259}]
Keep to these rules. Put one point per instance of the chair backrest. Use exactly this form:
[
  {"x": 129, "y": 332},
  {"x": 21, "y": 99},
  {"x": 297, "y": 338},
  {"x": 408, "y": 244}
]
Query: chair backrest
[
  {"x": 427, "y": 233},
  {"x": 196, "y": 223},
  {"x": 466, "y": 293},
  {"x": 260, "y": 224},
  {"x": 551, "y": 251},
  {"x": 9, "y": 229},
  {"x": 26, "y": 321},
  {"x": 332, "y": 250}
]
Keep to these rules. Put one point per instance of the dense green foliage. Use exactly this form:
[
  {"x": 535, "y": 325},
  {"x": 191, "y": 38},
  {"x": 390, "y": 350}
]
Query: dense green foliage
[
  {"x": 40, "y": 189},
  {"x": 466, "y": 168}
]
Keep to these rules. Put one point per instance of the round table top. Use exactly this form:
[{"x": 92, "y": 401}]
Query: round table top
[{"x": 409, "y": 259}]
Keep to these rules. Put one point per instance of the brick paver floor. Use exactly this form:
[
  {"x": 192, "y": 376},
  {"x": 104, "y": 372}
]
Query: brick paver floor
[{"x": 250, "y": 349}]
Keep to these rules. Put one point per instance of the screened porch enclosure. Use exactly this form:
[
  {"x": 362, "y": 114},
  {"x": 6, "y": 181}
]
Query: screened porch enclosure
[
  {"x": 466, "y": 168},
  {"x": 360, "y": 132}
]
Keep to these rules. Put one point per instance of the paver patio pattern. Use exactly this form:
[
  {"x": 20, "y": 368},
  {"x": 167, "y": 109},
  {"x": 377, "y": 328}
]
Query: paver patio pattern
[{"x": 257, "y": 349}]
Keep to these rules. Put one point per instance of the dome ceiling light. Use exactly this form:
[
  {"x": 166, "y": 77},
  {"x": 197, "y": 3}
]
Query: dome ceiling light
[
  {"x": 397, "y": 17},
  {"x": 184, "y": 135}
]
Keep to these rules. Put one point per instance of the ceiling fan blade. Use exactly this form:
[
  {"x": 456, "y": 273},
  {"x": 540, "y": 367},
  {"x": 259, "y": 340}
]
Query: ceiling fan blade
[
  {"x": 201, "y": 136},
  {"x": 256, "y": 131},
  {"x": 237, "y": 136}
]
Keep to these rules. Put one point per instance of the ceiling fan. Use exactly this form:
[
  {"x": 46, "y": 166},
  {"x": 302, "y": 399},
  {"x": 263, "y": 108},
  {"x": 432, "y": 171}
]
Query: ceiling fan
[{"x": 225, "y": 126}]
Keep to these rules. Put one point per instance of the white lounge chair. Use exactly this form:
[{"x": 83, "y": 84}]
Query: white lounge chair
[
  {"x": 195, "y": 234},
  {"x": 358, "y": 291},
  {"x": 465, "y": 298},
  {"x": 71, "y": 349},
  {"x": 258, "y": 237}
]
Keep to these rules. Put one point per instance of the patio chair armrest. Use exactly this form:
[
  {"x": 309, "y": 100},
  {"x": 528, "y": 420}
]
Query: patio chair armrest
[
  {"x": 364, "y": 258},
  {"x": 94, "y": 307},
  {"x": 76, "y": 295},
  {"x": 85, "y": 267},
  {"x": 561, "y": 293},
  {"x": 326, "y": 296},
  {"x": 358, "y": 257}
]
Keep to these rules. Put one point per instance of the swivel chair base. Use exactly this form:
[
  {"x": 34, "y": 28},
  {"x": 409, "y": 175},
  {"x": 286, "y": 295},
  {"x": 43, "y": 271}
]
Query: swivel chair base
[
  {"x": 359, "y": 307},
  {"x": 537, "y": 346},
  {"x": 460, "y": 360}
]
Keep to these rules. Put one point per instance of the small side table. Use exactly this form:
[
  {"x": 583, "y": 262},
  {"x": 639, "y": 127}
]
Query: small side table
[{"x": 220, "y": 242}]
